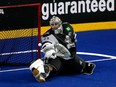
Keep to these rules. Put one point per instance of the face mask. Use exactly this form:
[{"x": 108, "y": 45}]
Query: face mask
[{"x": 58, "y": 30}]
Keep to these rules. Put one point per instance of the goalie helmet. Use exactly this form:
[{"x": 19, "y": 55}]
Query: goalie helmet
[
  {"x": 55, "y": 20},
  {"x": 56, "y": 24}
]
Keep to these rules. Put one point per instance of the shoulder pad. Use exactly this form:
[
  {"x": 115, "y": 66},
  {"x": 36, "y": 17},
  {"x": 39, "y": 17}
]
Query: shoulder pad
[
  {"x": 66, "y": 23},
  {"x": 67, "y": 27},
  {"x": 47, "y": 33}
]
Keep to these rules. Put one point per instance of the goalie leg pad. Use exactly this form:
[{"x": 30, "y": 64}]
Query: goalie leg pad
[
  {"x": 40, "y": 70},
  {"x": 38, "y": 64}
]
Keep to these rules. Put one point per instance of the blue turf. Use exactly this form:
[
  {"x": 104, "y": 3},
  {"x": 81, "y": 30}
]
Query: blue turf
[{"x": 102, "y": 42}]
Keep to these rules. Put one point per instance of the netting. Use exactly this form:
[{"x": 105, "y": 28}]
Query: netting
[{"x": 19, "y": 27}]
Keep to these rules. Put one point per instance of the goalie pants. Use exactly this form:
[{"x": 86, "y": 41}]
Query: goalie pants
[{"x": 71, "y": 66}]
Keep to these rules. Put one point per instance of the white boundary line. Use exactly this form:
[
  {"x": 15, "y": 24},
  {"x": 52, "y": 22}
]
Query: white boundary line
[
  {"x": 96, "y": 54},
  {"x": 11, "y": 70},
  {"x": 99, "y": 60},
  {"x": 19, "y": 52},
  {"x": 109, "y": 57}
]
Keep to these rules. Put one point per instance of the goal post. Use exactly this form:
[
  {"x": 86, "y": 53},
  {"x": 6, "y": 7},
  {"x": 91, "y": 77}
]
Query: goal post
[{"x": 19, "y": 34}]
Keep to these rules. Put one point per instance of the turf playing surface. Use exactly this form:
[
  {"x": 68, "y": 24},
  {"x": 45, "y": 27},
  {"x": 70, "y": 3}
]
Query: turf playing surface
[{"x": 100, "y": 46}]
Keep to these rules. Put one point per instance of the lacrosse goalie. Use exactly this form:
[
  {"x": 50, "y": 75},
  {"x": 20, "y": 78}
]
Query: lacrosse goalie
[{"x": 59, "y": 48}]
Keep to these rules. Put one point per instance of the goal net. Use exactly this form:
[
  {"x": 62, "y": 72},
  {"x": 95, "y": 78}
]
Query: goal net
[{"x": 19, "y": 31}]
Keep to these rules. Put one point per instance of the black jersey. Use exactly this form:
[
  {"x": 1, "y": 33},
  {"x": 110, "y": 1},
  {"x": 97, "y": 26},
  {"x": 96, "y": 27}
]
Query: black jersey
[{"x": 51, "y": 37}]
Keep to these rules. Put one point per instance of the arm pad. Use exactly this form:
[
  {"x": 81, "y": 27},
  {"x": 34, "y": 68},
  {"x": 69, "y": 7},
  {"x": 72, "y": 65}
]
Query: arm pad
[{"x": 62, "y": 51}]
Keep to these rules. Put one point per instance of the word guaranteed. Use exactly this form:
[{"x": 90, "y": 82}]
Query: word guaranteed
[{"x": 74, "y": 7}]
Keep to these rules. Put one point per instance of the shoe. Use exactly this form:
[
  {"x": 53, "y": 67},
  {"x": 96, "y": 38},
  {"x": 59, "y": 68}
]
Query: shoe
[
  {"x": 41, "y": 76},
  {"x": 89, "y": 68}
]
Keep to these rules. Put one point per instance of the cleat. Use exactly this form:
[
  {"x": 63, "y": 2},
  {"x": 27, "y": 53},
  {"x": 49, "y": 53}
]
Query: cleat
[{"x": 89, "y": 68}]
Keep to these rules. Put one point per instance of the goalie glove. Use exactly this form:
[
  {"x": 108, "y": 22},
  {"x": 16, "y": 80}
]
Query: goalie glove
[
  {"x": 49, "y": 50},
  {"x": 50, "y": 54}
]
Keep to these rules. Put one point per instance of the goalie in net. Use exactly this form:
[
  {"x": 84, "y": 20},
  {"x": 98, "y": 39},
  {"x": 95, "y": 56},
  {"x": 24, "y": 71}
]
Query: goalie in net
[{"x": 59, "y": 47}]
